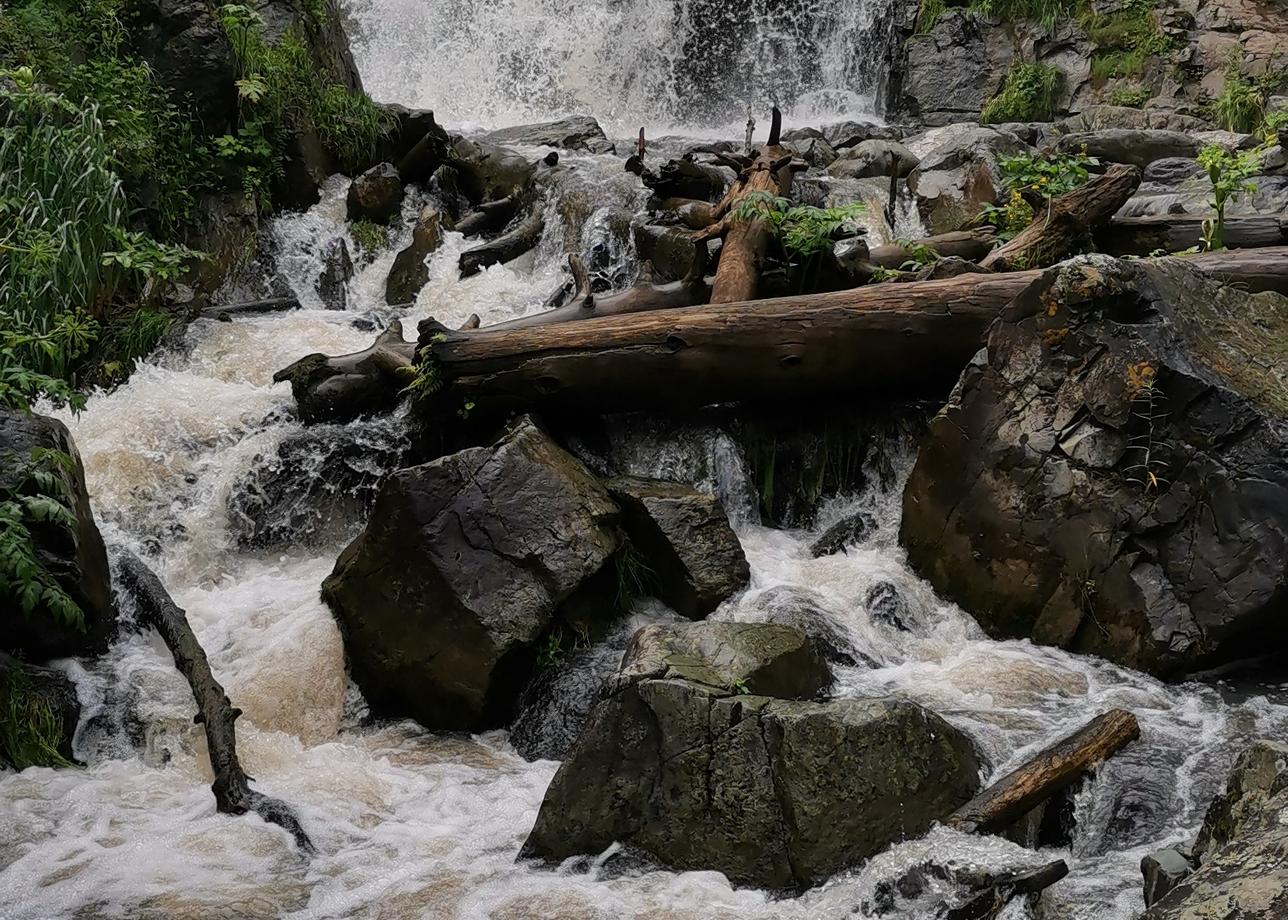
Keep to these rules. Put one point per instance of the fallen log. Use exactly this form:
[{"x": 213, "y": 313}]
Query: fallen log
[
  {"x": 507, "y": 246},
  {"x": 692, "y": 213},
  {"x": 1050, "y": 771},
  {"x": 343, "y": 387},
  {"x": 1058, "y": 230},
  {"x": 910, "y": 339},
  {"x": 1140, "y": 236},
  {"x": 489, "y": 217},
  {"x": 226, "y": 312},
  {"x": 215, "y": 712},
  {"x": 1000, "y": 889},
  {"x": 971, "y": 245}
]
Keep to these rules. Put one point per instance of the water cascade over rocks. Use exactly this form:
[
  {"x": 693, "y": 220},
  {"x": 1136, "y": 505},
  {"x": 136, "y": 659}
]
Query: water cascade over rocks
[{"x": 654, "y": 666}]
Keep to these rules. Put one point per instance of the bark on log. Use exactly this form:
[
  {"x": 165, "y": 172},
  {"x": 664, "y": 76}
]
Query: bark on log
[
  {"x": 1047, "y": 773},
  {"x": 272, "y": 305},
  {"x": 971, "y": 245},
  {"x": 342, "y": 387},
  {"x": 506, "y": 247},
  {"x": 489, "y": 217},
  {"x": 1140, "y": 236},
  {"x": 215, "y": 712},
  {"x": 691, "y": 212},
  {"x": 1064, "y": 224}
]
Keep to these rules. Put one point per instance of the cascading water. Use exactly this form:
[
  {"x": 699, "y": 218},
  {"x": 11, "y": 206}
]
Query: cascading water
[{"x": 184, "y": 462}]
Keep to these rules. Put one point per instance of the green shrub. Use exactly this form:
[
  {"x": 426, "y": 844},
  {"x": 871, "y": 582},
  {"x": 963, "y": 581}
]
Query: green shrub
[
  {"x": 1031, "y": 180},
  {"x": 1031, "y": 93},
  {"x": 1229, "y": 172},
  {"x": 30, "y": 728},
  {"x": 1130, "y": 96},
  {"x": 927, "y": 13},
  {"x": 1241, "y": 104},
  {"x": 1044, "y": 12}
]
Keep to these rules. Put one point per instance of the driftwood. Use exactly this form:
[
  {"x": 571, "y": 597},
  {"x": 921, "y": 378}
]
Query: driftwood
[
  {"x": 343, "y": 387},
  {"x": 971, "y": 245},
  {"x": 683, "y": 178},
  {"x": 489, "y": 217},
  {"x": 1000, "y": 889},
  {"x": 1060, "y": 228},
  {"x": 215, "y": 712},
  {"x": 271, "y": 305},
  {"x": 523, "y": 237},
  {"x": 1140, "y": 236},
  {"x": 1050, "y": 771},
  {"x": 691, "y": 212}
]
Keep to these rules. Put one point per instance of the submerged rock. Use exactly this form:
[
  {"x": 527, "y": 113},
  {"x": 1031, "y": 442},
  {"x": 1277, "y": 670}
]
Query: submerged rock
[
  {"x": 773, "y": 793},
  {"x": 849, "y": 530},
  {"x": 375, "y": 195},
  {"x": 1164, "y": 870},
  {"x": 73, "y": 556},
  {"x": 337, "y": 271},
  {"x": 409, "y": 272},
  {"x": 466, "y": 563},
  {"x": 692, "y": 555},
  {"x": 577, "y": 132},
  {"x": 1111, "y": 473}
]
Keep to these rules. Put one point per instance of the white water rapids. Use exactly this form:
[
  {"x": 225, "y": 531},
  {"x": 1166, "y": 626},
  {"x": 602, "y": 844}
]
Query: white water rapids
[{"x": 409, "y": 824}]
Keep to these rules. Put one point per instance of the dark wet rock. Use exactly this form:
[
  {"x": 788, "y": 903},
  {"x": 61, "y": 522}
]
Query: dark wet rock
[
  {"x": 339, "y": 388},
  {"x": 1170, "y": 172},
  {"x": 874, "y": 158},
  {"x": 815, "y": 151},
  {"x": 337, "y": 272},
  {"x": 577, "y": 132},
  {"x": 188, "y": 50},
  {"x": 954, "y": 181},
  {"x": 802, "y": 609},
  {"x": 1240, "y": 870},
  {"x": 886, "y": 605},
  {"x": 26, "y": 689},
  {"x": 466, "y": 564},
  {"x": 849, "y": 530},
  {"x": 670, "y": 249},
  {"x": 75, "y": 557},
  {"x": 1164, "y": 870},
  {"x": 376, "y": 195},
  {"x": 489, "y": 172},
  {"x": 1110, "y": 474},
  {"x": 693, "y": 557},
  {"x": 765, "y": 659},
  {"x": 409, "y": 272},
  {"x": 748, "y": 785},
  {"x": 844, "y": 134},
  {"x": 316, "y": 486},
  {"x": 1135, "y": 147},
  {"x": 553, "y": 709},
  {"x": 415, "y": 143}
]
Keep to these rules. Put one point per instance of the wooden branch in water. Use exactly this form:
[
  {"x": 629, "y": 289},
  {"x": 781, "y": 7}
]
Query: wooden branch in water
[
  {"x": 1053, "y": 769},
  {"x": 506, "y": 247},
  {"x": 271, "y": 305},
  {"x": 1060, "y": 228},
  {"x": 215, "y": 711},
  {"x": 1000, "y": 889}
]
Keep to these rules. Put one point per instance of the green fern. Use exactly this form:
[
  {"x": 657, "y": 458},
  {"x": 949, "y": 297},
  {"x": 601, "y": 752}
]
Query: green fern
[{"x": 30, "y": 728}]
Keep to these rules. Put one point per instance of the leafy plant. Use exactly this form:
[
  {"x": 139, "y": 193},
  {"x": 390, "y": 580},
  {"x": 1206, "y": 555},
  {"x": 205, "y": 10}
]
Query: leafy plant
[
  {"x": 550, "y": 652},
  {"x": 634, "y": 577},
  {"x": 1274, "y": 126},
  {"x": 1133, "y": 97},
  {"x": 140, "y": 253},
  {"x": 1229, "y": 172},
  {"x": 802, "y": 232},
  {"x": 1241, "y": 104},
  {"x": 370, "y": 236},
  {"x": 1031, "y": 180},
  {"x": 29, "y": 727},
  {"x": 37, "y": 495},
  {"x": 1031, "y": 93}
]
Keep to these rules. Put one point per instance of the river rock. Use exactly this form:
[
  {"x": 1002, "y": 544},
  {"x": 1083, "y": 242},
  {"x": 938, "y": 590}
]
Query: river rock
[
  {"x": 340, "y": 388},
  {"x": 693, "y": 556},
  {"x": 1111, "y": 472},
  {"x": 337, "y": 271},
  {"x": 802, "y": 609},
  {"x": 773, "y": 793},
  {"x": 25, "y": 690},
  {"x": 409, "y": 272},
  {"x": 74, "y": 557},
  {"x": 376, "y": 195},
  {"x": 1164, "y": 870},
  {"x": 1241, "y": 871},
  {"x": 874, "y": 158},
  {"x": 766, "y": 659},
  {"x": 955, "y": 180},
  {"x": 669, "y": 249},
  {"x": 1135, "y": 147},
  {"x": 1170, "y": 172},
  {"x": 577, "y": 132},
  {"x": 848, "y": 530},
  {"x": 466, "y": 564}
]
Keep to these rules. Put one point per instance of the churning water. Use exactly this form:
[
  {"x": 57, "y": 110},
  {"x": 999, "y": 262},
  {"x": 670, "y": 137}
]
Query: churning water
[{"x": 411, "y": 824}]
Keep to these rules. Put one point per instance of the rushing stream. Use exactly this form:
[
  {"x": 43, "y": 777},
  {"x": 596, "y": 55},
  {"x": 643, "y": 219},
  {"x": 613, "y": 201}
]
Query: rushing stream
[{"x": 412, "y": 824}]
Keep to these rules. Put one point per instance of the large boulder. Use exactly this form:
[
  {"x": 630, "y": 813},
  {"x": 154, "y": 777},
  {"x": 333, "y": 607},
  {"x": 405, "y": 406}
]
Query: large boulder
[
  {"x": 1136, "y": 147},
  {"x": 1111, "y": 472},
  {"x": 577, "y": 132},
  {"x": 1241, "y": 872},
  {"x": 375, "y": 195},
  {"x": 693, "y": 557},
  {"x": 773, "y": 793},
  {"x": 410, "y": 271},
  {"x": 466, "y": 564},
  {"x": 954, "y": 181},
  {"x": 73, "y": 556},
  {"x": 873, "y": 158}
]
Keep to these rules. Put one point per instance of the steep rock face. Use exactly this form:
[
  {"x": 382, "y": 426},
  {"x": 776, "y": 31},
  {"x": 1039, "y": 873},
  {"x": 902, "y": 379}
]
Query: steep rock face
[
  {"x": 1111, "y": 472},
  {"x": 694, "y": 558},
  {"x": 76, "y": 558},
  {"x": 1242, "y": 874},
  {"x": 749, "y": 785},
  {"x": 465, "y": 564}
]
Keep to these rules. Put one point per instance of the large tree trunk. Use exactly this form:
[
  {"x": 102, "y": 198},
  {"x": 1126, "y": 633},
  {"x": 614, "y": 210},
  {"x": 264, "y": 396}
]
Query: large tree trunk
[
  {"x": 215, "y": 711},
  {"x": 1058, "y": 230},
  {"x": 906, "y": 339},
  {"x": 1140, "y": 236},
  {"x": 1052, "y": 770},
  {"x": 342, "y": 387}
]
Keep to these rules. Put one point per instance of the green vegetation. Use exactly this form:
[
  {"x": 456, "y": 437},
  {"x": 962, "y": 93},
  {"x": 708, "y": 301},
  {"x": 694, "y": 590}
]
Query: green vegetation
[
  {"x": 1030, "y": 181},
  {"x": 370, "y": 236},
  {"x": 1125, "y": 39},
  {"x": 1045, "y": 12},
  {"x": 1031, "y": 93},
  {"x": 282, "y": 93},
  {"x": 29, "y": 727},
  {"x": 801, "y": 232},
  {"x": 635, "y": 578},
  {"x": 1229, "y": 173},
  {"x": 1133, "y": 97},
  {"x": 1243, "y": 102}
]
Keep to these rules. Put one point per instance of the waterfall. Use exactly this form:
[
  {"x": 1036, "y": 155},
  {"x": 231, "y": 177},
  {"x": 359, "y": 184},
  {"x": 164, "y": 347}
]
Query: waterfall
[{"x": 695, "y": 65}]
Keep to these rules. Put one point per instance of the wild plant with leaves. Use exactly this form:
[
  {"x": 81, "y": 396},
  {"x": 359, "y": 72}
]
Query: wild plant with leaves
[
  {"x": 802, "y": 232},
  {"x": 1031, "y": 181},
  {"x": 1230, "y": 173}
]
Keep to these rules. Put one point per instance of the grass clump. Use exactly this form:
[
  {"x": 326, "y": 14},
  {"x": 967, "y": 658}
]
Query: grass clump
[
  {"x": 1133, "y": 97},
  {"x": 1044, "y": 12},
  {"x": 30, "y": 728},
  {"x": 1031, "y": 93}
]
